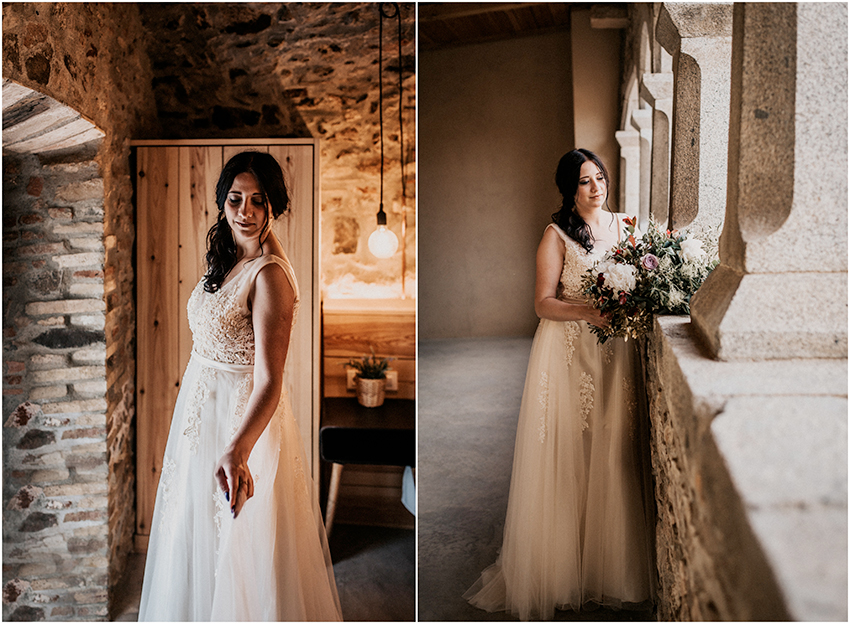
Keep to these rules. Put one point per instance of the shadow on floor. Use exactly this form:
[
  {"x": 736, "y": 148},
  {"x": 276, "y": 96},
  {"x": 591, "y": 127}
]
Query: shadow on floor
[{"x": 374, "y": 569}]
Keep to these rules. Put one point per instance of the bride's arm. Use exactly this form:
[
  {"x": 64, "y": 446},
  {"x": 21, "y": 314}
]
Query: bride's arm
[
  {"x": 550, "y": 263},
  {"x": 272, "y": 305}
]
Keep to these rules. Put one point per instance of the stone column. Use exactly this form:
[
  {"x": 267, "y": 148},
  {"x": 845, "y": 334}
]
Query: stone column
[
  {"x": 699, "y": 37},
  {"x": 629, "y": 141},
  {"x": 657, "y": 90},
  {"x": 781, "y": 289},
  {"x": 642, "y": 122}
]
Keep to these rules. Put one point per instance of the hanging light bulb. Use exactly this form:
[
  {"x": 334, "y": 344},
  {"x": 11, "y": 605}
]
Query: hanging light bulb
[{"x": 383, "y": 243}]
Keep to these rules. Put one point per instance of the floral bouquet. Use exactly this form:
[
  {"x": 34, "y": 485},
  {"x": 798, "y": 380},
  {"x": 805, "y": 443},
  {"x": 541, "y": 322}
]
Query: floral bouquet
[{"x": 655, "y": 274}]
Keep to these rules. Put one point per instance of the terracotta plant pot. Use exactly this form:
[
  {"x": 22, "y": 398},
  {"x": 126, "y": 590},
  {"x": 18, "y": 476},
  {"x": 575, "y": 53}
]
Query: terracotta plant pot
[{"x": 371, "y": 392}]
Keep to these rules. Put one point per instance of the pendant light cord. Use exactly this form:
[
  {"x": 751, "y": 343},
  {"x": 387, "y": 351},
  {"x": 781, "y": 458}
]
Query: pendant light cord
[
  {"x": 396, "y": 12},
  {"x": 381, "y": 96}
]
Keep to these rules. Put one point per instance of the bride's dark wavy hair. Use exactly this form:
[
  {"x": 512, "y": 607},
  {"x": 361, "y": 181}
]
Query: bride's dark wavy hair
[
  {"x": 566, "y": 177},
  {"x": 221, "y": 248}
]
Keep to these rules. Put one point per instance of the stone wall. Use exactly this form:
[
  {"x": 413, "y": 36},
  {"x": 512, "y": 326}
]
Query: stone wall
[
  {"x": 91, "y": 58},
  {"x": 301, "y": 70},
  {"x": 750, "y": 467}
]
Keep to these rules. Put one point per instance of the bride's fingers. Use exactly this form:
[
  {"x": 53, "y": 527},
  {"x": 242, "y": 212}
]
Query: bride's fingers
[
  {"x": 250, "y": 484},
  {"x": 241, "y": 497},
  {"x": 221, "y": 477}
]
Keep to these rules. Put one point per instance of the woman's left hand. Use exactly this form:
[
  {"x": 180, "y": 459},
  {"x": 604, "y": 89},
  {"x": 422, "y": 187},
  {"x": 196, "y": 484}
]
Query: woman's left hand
[{"x": 235, "y": 480}]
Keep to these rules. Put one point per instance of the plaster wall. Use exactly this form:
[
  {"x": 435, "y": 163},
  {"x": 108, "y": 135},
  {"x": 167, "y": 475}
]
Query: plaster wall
[
  {"x": 596, "y": 93},
  {"x": 495, "y": 119}
]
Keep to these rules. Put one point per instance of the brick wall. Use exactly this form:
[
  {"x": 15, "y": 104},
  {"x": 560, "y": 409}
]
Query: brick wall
[{"x": 55, "y": 489}]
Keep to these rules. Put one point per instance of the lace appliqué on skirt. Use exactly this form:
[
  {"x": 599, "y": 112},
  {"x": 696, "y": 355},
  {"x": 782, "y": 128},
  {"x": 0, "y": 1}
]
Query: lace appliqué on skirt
[
  {"x": 586, "y": 392},
  {"x": 200, "y": 394},
  {"x": 630, "y": 398},
  {"x": 169, "y": 467},
  {"x": 543, "y": 399},
  {"x": 607, "y": 352},
  {"x": 571, "y": 332},
  {"x": 243, "y": 392}
]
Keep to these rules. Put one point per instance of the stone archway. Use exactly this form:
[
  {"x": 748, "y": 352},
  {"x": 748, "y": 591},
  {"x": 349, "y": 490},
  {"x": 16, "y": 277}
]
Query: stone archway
[{"x": 56, "y": 530}]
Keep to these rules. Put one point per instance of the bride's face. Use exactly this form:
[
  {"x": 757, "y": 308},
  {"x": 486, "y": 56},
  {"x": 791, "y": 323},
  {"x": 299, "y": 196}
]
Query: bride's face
[
  {"x": 591, "y": 191},
  {"x": 245, "y": 209}
]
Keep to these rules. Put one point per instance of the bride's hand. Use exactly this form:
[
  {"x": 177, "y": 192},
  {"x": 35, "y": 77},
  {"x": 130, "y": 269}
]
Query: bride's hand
[
  {"x": 235, "y": 480},
  {"x": 595, "y": 316}
]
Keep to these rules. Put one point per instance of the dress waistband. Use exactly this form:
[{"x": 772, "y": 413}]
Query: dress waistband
[{"x": 230, "y": 368}]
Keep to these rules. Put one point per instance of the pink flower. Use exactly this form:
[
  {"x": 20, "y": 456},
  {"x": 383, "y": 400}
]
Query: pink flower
[
  {"x": 649, "y": 262},
  {"x": 623, "y": 298}
]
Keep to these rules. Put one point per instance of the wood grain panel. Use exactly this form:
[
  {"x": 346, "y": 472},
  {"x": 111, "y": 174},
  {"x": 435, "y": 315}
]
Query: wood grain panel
[
  {"x": 373, "y": 477},
  {"x": 389, "y": 333},
  {"x": 199, "y": 168},
  {"x": 158, "y": 372}
]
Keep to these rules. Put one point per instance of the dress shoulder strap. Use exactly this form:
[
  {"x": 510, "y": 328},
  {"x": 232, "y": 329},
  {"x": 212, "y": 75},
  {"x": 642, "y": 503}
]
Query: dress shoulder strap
[
  {"x": 253, "y": 270},
  {"x": 558, "y": 231}
]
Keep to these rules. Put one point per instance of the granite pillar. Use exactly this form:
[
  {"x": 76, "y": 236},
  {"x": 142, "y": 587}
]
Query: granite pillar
[
  {"x": 698, "y": 36},
  {"x": 781, "y": 289},
  {"x": 642, "y": 122},
  {"x": 629, "y": 141},
  {"x": 657, "y": 90}
]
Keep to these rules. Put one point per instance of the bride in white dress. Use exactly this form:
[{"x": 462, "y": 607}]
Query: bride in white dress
[
  {"x": 236, "y": 534},
  {"x": 577, "y": 531}
]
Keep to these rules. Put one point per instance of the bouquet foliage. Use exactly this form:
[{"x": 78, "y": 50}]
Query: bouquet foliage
[{"x": 654, "y": 274}]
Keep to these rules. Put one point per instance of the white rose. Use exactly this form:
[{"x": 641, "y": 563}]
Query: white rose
[
  {"x": 603, "y": 265},
  {"x": 691, "y": 249},
  {"x": 620, "y": 277}
]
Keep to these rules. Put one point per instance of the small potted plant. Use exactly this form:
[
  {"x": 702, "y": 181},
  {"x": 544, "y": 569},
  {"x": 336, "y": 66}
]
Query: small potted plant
[{"x": 371, "y": 379}]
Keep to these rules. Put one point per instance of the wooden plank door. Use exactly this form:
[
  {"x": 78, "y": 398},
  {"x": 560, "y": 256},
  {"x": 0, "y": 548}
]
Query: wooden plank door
[
  {"x": 158, "y": 352},
  {"x": 176, "y": 207},
  {"x": 200, "y": 166}
]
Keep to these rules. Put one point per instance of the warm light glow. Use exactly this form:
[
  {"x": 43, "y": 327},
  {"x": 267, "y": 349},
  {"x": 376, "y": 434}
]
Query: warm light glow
[{"x": 382, "y": 242}]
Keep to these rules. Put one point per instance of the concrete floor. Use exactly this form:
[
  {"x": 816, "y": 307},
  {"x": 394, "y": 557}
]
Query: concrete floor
[
  {"x": 468, "y": 404},
  {"x": 374, "y": 569}
]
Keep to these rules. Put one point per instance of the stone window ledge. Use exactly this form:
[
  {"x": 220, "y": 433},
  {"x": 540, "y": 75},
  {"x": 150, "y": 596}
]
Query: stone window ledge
[{"x": 780, "y": 430}]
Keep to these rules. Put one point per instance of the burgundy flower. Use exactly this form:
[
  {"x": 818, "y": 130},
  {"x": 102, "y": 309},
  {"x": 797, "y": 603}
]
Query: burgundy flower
[
  {"x": 623, "y": 297},
  {"x": 600, "y": 280},
  {"x": 649, "y": 262}
]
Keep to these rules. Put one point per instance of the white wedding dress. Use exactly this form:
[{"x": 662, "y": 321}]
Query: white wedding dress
[
  {"x": 577, "y": 530},
  {"x": 270, "y": 563}
]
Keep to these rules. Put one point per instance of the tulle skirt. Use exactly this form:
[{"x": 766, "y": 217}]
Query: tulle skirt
[
  {"x": 578, "y": 524},
  {"x": 272, "y": 562}
]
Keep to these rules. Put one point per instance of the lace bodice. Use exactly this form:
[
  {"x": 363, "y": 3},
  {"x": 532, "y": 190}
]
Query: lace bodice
[
  {"x": 576, "y": 261},
  {"x": 221, "y": 321}
]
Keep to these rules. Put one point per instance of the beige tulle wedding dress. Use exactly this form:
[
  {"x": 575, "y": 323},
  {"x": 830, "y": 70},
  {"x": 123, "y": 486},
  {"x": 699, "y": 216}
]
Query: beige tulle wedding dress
[
  {"x": 272, "y": 562},
  {"x": 577, "y": 531}
]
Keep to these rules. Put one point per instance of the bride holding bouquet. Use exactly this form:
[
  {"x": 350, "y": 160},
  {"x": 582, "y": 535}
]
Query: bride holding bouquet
[{"x": 577, "y": 531}]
